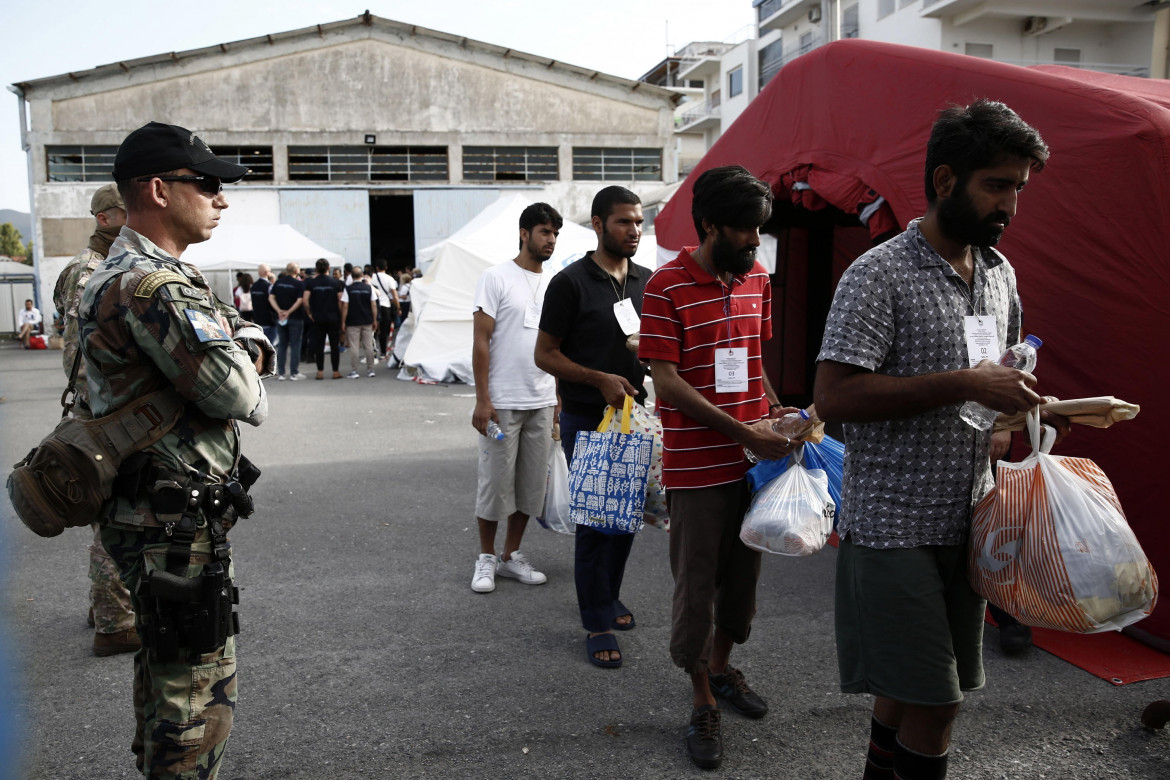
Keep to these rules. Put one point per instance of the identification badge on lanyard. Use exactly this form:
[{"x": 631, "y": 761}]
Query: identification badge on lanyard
[
  {"x": 731, "y": 370},
  {"x": 532, "y": 314},
  {"x": 982, "y": 339},
  {"x": 627, "y": 316}
]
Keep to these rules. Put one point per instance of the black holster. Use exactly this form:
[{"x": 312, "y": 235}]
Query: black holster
[{"x": 192, "y": 614}]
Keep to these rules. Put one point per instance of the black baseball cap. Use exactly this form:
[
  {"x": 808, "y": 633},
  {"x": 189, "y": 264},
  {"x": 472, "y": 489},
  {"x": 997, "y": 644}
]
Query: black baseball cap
[{"x": 155, "y": 148}]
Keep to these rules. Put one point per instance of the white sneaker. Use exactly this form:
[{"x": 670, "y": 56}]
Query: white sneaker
[
  {"x": 353, "y": 375},
  {"x": 518, "y": 568},
  {"x": 281, "y": 377},
  {"x": 298, "y": 376},
  {"x": 484, "y": 580},
  {"x": 370, "y": 373}
]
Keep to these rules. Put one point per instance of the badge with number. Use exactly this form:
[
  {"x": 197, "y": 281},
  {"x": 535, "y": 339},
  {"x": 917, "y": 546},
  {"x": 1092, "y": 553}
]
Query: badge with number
[
  {"x": 731, "y": 370},
  {"x": 627, "y": 316},
  {"x": 982, "y": 339}
]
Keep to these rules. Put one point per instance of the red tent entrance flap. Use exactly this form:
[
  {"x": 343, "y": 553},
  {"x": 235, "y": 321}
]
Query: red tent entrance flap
[{"x": 813, "y": 188}]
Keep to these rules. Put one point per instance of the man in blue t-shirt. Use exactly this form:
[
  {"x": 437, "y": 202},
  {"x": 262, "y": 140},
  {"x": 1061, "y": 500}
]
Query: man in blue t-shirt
[
  {"x": 359, "y": 315},
  {"x": 286, "y": 297}
]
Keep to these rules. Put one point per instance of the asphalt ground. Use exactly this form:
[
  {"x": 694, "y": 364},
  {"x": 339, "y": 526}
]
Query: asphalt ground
[{"x": 364, "y": 652}]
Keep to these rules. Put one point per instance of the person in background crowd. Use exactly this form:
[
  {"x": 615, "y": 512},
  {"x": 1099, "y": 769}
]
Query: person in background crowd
[
  {"x": 286, "y": 298},
  {"x": 387, "y": 291},
  {"x": 359, "y": 317},
  {"x": 323, "y": 303},
  {"x": 28, "y": 322},
  {"x": 243, "y": 296},
  {"x": 262, "y": 313}
]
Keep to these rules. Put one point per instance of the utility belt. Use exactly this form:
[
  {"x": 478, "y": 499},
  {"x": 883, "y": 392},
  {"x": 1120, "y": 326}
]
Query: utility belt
[{"x": 186, "y": 615}]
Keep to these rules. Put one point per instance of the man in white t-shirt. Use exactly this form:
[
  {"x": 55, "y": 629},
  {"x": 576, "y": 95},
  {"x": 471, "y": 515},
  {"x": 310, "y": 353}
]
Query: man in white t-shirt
[
  {"x": 30, "y": 318},
  {"x": 515, "y": 395}
]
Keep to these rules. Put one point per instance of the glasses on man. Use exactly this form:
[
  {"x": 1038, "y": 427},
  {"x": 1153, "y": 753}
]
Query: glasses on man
[{"x": 209, "y": 184}]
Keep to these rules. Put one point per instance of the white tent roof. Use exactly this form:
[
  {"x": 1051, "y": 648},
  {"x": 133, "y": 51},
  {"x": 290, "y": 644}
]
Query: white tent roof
[
  {"x": 442, "y": 301},
  {"x": 246, "y": 246}
]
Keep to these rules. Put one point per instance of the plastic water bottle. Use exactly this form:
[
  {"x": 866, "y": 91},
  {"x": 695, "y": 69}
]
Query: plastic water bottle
[
  {"x": 793, "y": 425},
  {"x": 1021, "y": 356},
  {"x": 493, "y": 431}
]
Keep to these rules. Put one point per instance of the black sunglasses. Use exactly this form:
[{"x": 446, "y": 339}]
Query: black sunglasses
[{"x": 209, "y": 184}]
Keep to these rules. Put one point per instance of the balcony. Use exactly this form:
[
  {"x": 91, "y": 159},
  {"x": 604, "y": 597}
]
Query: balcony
[
  {"x": 772, "y": 66},
  {"x": 701, "y": 60},
  {"x": 962, "y": 12},
  {"x": 1116, "y": 68},
  {"x": 778, "y": 14},
  {"x": 701, "y": 117}
]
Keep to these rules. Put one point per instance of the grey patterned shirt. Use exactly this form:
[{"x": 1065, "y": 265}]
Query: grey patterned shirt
[{"x": 898, "y": 311}]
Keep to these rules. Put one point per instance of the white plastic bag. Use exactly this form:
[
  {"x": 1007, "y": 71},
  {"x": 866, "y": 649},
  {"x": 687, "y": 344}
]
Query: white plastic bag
[
  {"x": 793, "y": 514},
  {"x": 555, "y": 516},
  {"x": 1050, "y": 545}
]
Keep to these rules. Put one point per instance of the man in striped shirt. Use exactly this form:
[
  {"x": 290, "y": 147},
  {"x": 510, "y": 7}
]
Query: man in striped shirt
[{"x": 705, "y": 316}]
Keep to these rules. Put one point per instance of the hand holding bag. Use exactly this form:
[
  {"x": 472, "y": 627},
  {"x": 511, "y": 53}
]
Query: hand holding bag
[
  {"x": 793, "y": 514},
  {"x": 607, "y": 478},
  {"x": 1051, "y": 546}
]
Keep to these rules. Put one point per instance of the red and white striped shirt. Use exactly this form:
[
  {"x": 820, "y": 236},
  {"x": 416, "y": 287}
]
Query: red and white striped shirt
[{"x": 686, "y": 315}]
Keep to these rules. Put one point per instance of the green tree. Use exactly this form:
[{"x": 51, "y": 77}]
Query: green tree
[{"x": 11, "y": 243}]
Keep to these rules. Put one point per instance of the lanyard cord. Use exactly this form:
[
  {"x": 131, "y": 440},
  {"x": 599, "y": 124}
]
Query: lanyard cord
[{"x": 622, "y": 295}]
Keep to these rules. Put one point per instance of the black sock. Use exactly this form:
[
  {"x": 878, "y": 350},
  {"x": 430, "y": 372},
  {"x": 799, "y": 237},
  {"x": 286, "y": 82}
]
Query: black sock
[
  {"x": 911, "y": 765},
  {"x": 879, "y": 762}
]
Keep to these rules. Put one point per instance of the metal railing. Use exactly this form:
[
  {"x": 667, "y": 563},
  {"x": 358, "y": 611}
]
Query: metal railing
[
  {"x": 769, "y": 7},
  {"x": 706, "y": 109},
  {"x": 1120, "y": 69}
]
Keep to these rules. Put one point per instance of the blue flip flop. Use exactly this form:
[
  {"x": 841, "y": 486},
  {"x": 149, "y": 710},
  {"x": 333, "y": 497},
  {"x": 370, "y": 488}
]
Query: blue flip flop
[
  {"x": 595, "y": 644},
  {"x": 621, "y": 610}
]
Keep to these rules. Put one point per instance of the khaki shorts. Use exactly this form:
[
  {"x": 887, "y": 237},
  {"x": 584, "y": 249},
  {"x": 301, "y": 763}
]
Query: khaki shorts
[
  {"x": 909, "y": 626},
  {"x": 513, "y": 473}
]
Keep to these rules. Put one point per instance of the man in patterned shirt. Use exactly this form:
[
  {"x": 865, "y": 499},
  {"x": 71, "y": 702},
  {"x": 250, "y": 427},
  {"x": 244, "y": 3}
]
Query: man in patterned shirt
[{"x": 894, "y": 368}]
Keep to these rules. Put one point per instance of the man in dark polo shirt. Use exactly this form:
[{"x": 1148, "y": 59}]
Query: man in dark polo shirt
[
  {"x": 323, "y": 302},
  {"x": 591, "y": 310},
  {"x": 359, "y": 318},
  {"x": 706, "y": 315}
]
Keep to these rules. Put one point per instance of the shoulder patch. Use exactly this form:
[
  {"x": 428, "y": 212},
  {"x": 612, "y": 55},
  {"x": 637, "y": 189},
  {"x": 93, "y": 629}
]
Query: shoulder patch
[
  {"x": 154, "y": 280},
  {"x": 206, "y": 329}
]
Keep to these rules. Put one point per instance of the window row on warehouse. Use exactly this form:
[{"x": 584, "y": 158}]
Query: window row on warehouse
[{"x": 393, "y": 163}]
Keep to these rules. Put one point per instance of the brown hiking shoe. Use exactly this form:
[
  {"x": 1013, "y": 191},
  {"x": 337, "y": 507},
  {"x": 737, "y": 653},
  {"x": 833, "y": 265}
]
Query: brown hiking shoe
[{"x": 118, "y": 642}]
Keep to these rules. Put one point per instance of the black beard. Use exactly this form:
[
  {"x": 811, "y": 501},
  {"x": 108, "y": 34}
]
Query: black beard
[
  {"x": 736, "y": 262},
  {"x": 613, "y": 246},
  {"x": 535, "y": 254},
  {"x": 960, "y": 222}
]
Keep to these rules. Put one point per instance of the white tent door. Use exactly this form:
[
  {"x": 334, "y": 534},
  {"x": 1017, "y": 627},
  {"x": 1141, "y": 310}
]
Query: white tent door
[{"x": 336, "y": 219}]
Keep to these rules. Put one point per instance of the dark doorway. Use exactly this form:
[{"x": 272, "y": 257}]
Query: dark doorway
[
  {"x": 813, "y": 249},
  {"x": 392, "y": 230}
]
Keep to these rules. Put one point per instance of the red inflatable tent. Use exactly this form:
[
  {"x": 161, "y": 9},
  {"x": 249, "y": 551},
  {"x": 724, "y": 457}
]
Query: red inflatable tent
[{"x": 840, "y": 134}]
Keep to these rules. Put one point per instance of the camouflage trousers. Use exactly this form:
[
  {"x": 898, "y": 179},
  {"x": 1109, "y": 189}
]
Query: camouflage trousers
[
  {"x": 108, "y": 597},
  {"x": 183, "y": 710}
]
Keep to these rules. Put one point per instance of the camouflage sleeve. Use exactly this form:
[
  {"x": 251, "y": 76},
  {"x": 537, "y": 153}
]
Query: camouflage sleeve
[{"x": 180, "y": 329}]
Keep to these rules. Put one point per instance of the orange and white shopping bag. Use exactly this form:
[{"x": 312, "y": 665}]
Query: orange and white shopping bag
[{"x": 1051, "y": 546}]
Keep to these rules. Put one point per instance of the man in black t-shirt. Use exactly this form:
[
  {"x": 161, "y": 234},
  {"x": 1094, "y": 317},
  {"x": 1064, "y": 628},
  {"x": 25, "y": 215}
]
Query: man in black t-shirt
[
  {"x": 590, "y": 312},
  {"x": 322, "y": 300},
  {"x": 359, "y": 313},
  {"x": 262, "y": 313},
  {"x": 286, "y": 297}
]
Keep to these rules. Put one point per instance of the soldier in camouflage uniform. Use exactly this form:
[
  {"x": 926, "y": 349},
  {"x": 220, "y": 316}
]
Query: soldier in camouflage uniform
[
  {"x": 150, "y": 322},
  {"x": 110, "y": 612}
]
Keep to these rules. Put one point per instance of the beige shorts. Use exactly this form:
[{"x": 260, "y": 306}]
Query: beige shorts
[{"x": 513, "y": 473}]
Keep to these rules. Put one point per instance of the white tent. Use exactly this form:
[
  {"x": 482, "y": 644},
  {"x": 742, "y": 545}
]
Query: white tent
[
  {"x": 436, "y": 345},
  {"x": 243, "y": 247}
]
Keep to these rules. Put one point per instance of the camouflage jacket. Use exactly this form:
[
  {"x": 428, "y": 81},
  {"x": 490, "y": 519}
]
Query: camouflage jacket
[
  {"x": 148, "y": 321},
  {"x": 67, "y": 297}
]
